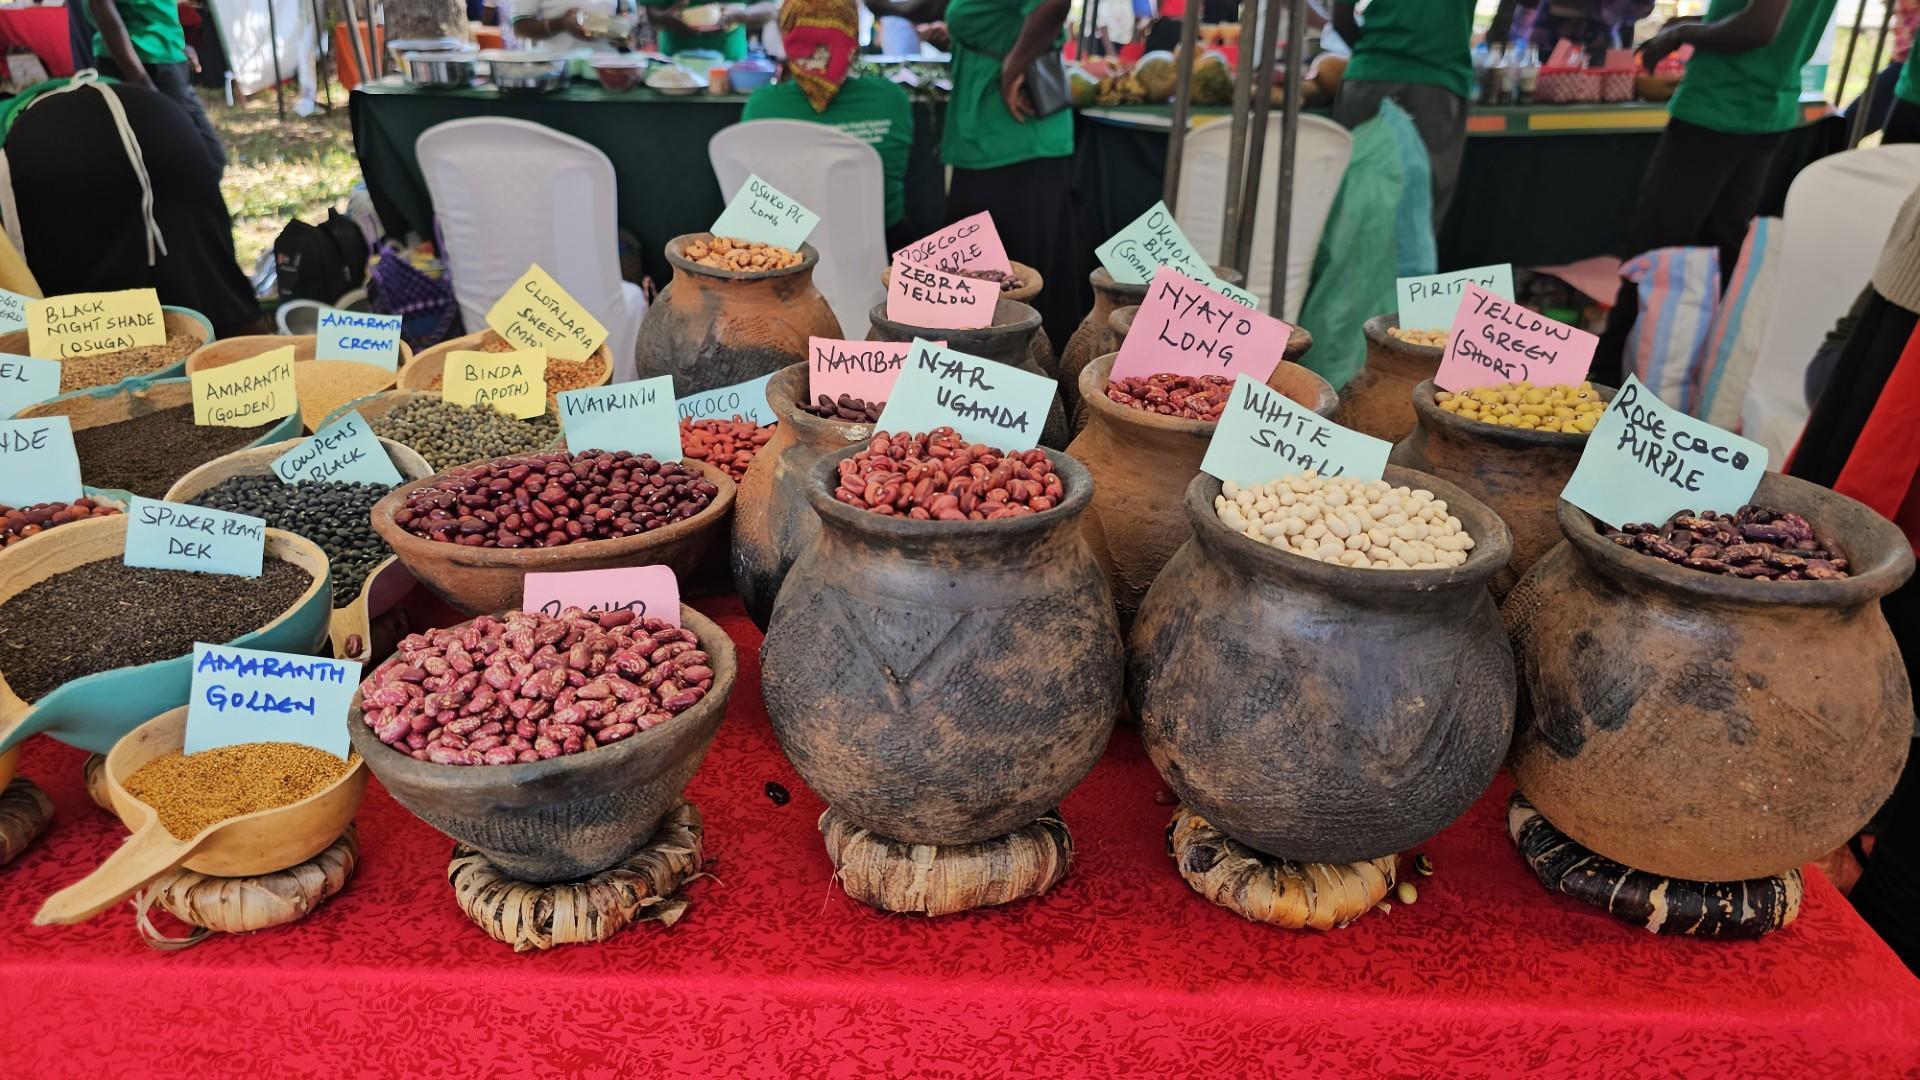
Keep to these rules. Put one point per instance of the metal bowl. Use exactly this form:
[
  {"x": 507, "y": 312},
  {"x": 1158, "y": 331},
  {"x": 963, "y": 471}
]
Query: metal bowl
[
  {"x": 528, "y": 71},
  {"x": 440, "y": 69}
]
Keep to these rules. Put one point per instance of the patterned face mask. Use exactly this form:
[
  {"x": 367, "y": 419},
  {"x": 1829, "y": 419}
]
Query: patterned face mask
[{"x": 818, "y": 36}]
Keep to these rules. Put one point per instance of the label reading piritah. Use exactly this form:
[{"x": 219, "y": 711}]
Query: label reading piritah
[
  {"x": 1186, "y": 328},
  {"x": 252, "y": 695},
  {"x": 246, "y": 394},
  {"x": 513, "y": 382},
  {"x": 1428, "y": 302},
  {"x": 344, "y": 452},
  {"x": 1646, "y": 461},
  {"x": 359, "y": 336},
  {"x": 647, "y": 591},
  {"x": 759, "y": 211},
  {"x": 985, "y": 401},
  {"x": 175, "y": 536},
  {"x": 1264, "y": 435},
  {"x": 747, "y": 400},
  {"x": 536, "y": 313},
  {"x": 37, "y": 461},
  {"x": 1495, "y": 340},
  {"x": 83, "y": 324},
  {"x": 638, "y": 417}
]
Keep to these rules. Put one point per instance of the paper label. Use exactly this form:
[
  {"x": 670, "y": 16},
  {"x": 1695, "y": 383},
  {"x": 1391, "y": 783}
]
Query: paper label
[
  {"x": 1495, "y": 340},
  {"x": 759, "y": 211},
  {"x": 359, "y": 336},
  {"x": 1264, "y": 435},
  {"x": 344, "y": 452},
  {"x": 1231, "y": 291},
  {"x": 985, "y": 401},
  {"x": 1186, "y": 328},
  {"x": 644, "y": 590},
  {"x": 513, "y": 382},
  {"x": 1429, "y": 302},
  {"x": 175, "y": 536},
  {"x": 1646, "y": 461},
  {"x": 923, "y": 296},
  {"x": 13, "y": 311},
  {"x": 861, "y": 369},
  {"x": 536, "y": 313},
  {"x": 638, "y": 417},
  {"x": 26, "y": 381},
  {"x": 1149, "y": 242},
  {"x": 83, "y": 324},
  {"x": 246, "y": 394},
  {"x": 968, "y": 244},
  {"x": 37, "y": 461},
  {"x": 252, "y": 695},
  {"x": 747, "y": 400}
]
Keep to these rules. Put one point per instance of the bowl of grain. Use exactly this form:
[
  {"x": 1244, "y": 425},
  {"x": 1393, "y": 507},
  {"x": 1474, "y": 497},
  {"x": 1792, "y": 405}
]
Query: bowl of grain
[
  {"x": 322, "y": 386},
  {"x": 187, "y": 330}
]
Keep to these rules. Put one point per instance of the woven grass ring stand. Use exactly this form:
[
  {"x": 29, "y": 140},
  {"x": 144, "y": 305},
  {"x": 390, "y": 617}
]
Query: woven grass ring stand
[
  {"x": 530, "y": 916},
  {"x": 238, "y": 905},
  {"x": 24, "y": 813},
  {"x": 1269, "y": 889},
  {"x": 941, "y": 879}
]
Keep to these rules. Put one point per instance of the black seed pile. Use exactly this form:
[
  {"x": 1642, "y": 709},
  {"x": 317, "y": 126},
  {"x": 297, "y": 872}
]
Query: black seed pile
[
  {"x": 333, "y": 515},
  {"x": 106, "y": 615},
  {"x": 146, "y": 454},
  {"x": 448, "y": 435}
]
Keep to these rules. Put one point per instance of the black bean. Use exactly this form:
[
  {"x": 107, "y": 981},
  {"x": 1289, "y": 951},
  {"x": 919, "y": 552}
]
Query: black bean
[{"x": 335, "y": 516}]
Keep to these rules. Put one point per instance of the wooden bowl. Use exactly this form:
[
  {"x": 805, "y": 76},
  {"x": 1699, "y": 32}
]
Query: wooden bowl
[
  {"x": 569, "y": 817},
  {"x": 256, "y": 843},
  {"x": 425, "y": 371},
  {"x": 176, "y": 318},
  {"x": 476, "y": 579},
  {"x": 235, "y": 349}
]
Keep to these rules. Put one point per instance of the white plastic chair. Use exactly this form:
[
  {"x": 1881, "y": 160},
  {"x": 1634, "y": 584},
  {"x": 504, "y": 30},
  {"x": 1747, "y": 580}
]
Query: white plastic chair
[
  {"x": 836, "y": 176},
  {"x": 1320, "y": 160},
  {"x": 1839, "y": 211},
  {"x": 507, "y": 193}
]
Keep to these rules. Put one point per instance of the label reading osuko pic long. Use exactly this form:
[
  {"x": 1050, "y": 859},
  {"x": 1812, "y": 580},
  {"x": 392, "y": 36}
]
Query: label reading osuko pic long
[
  {"x": 1646, "y": 461},
  {"x": 246, "y": 394},
  {"x": 647, "y": 591},
  {"x": 1264, "y": 435},
  {"x": 175, "y": 536},
  {"x": 252, "y": 695},
  {"x": 985, "y": 401},
  {"x": 761, "y": 212}
]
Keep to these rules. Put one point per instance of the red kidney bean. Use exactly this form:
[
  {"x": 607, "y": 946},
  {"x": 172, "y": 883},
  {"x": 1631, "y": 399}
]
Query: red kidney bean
[
  {"x": 18, "y": 523},
  {"x": 846, "y": 407},
  {"x": 1756, "y": 542},
  {"x": 940, "y": 476},
  {"x": 727, "y": 445},
  {"x": 1191, "y": 397},
  {"x": 554, "y": 499}
]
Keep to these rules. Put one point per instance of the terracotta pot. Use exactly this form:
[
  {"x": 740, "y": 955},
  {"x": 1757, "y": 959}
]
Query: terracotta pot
[
  {"x": 1089, "y": 338},
  {"x": 572, "y": 816},
  {"x": 1008, "y": 340},
  {"x": 710, "y": 328},
  {"x": 1318, "y": 712},
  {"x": 1519, "y": 473},
  {"x": 1378, "y": 400},
  {"x": 479, "y": 579},
  {"x": 943, "y": 682},
  {"x": 772, "y": 521},
  {"x": 1141, "y": 463},
  {"x": 1120, "y": 323},
  {"x": 1704, "y": 727}
]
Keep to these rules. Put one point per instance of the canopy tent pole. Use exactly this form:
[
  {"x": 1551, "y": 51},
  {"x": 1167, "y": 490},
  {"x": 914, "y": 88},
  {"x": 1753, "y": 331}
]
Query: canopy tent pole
[
  {"x": 1182, "y": 104},
  {"x": 1289, "y": 143}
]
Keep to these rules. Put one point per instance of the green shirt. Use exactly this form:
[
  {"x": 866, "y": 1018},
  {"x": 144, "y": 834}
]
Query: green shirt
[
  {"x": 1908, "y": 88},
  {"x": 873, "y": 110},
  {"x": 1428, "y": 42},
  {"x": 154, "y": 28},
  {"x": 730, "y": 43},
  {"x": 1757, "y": 91},
  {"x": 979, "y": 133}
]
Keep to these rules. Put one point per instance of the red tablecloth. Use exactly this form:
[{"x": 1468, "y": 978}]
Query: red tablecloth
[
  {"x": 40, "y": 30},
  {"x": 1121, "y": 969}
]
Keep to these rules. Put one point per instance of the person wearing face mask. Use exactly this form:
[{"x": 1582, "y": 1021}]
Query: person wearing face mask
[{"x": 820, "y": 37}]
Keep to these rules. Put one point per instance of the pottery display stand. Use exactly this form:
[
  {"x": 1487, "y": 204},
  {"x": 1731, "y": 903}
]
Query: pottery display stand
[
  {"x": 24, "y": 813},
  {"x": 942, "y": 879},
  {"x": 1266, "y": 888},
  {"x": 1660, "y": 905},
  {"x": 238, "y": 905},
  {"x": 530, "y": 916}
]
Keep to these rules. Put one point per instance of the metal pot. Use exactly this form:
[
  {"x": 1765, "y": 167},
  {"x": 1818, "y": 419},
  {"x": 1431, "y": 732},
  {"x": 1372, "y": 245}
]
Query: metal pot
[
  {"x": 440, "y": 68},
  {"x": 527, "y": 71}
]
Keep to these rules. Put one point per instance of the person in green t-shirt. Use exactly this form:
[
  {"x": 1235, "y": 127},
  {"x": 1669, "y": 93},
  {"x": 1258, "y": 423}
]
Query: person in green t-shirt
[
  {"x": 142, "y": 42},
  {"x": 1737, "y": 101},
  {"x": 821, "y": 38},
  {"x": 729, "y": 38},
  {"x": 1419, "y": 54},
  {"x": 1903, "y": 120}
]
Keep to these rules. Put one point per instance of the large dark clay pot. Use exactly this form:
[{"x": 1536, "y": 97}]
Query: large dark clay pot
[
  {"x": 1704, "y": 727},
  {"x": 1378, "y": 400},
  {"x": 1089, "y": 338},
  {"x": 1318, "y": 712},
  {"x": 772, "y": 521},
  {"x": 1519, "y": 473},
  {"x": 710, "y": 328},
  {"x": 1008, "y": 340},
  {"x": 569, "y": 817},
  {"x": 1141, "y": 463},
  {"x": 943, "y": 682}
]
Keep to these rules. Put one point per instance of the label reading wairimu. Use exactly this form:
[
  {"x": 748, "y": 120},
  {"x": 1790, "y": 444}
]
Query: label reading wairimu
[{"x": 637, "y": 417}]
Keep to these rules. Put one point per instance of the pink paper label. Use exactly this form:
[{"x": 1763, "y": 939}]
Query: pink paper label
[
  {"x": 647, "y": 591},
  {"x": 1495, "y": 340},
  {"x": 861, "y": 369},
  {"x": 968, "y": 244},
  {"x": 1185, "y": 328},
  {"x": 921, "y": 296}
]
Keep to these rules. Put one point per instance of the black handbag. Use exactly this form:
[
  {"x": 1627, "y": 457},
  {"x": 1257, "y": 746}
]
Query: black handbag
[{"x": 1046, "y": 86}]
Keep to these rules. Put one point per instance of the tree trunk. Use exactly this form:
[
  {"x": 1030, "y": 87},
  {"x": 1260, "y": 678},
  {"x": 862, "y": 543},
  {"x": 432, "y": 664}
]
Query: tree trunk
[{"x": 425, "y": 19}]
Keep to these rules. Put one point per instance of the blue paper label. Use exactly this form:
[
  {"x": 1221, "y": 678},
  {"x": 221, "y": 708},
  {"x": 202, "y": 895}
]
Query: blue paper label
[
  {"x": 1264, "y": 435},
  {"x": 747, "y": 400},
  {"x": 358, "y": 336},
  {"x": 638, "y": 417},
  {"x": 344, "y": 452},
  {"x": 175, "y": 536},
  {"x": 1646, "y": 461},
  {"x": 25, "y": 381},
  {"x": 13, "y": 311},
  {"x": 986, "y": 402},
  {"x": 253, "y": 696},
  {"x": 37, "y": 461}
]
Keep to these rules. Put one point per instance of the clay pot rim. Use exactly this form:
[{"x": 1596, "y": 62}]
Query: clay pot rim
[
  {"x": 386, "y": 760},
  {"x": 1819, "y": 505},
  {"x": 825, "y": 478},
  {"x": 1102, "y": 281},
  {"x": 1433, "y": 416},
  {"x": 786, "y": 404},
  {"x": 1093, "y": 386},
  {"x": 1030, "y": 281},
  {"x": 412, "y": 549},
  {"x": 1492, "y": 541},
  {"x": 1026, "y": 324},
  {"x": 1376, "y": 331},
  {"x": 809, "y": 257}
]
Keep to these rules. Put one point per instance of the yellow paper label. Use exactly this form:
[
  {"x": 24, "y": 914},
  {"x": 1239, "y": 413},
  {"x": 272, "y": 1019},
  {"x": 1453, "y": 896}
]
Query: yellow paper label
[
  {"x": 514, "y": 383},
  {"x": 83, "y": 324},
  {"x": 536, "y": 313},
  {"x": 246, "y": 394}
]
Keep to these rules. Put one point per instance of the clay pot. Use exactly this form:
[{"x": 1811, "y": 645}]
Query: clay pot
[
  {"x": 1008, "y": 340},
  {"x": 1519, "y": 473},
  {"x": 772, "y": 522},
  {"x": 1089, "y": 338},
  {"x": 572, "y": 816},
  {"x": 1141, "y": 463},
  {"x": 1318, "y": 712},
  {"x": 943, "y": 682},
  {"x": 1120, "y": 323},
  {"x": 1705, "y": 727},
  {"x": 710, "y": 328},
  {"x": 1378, "y": 400}
]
